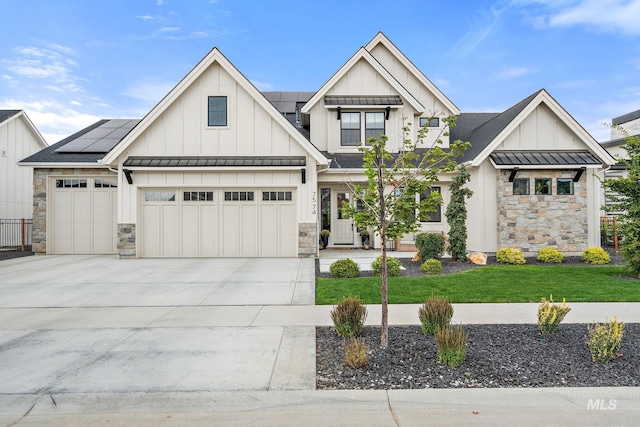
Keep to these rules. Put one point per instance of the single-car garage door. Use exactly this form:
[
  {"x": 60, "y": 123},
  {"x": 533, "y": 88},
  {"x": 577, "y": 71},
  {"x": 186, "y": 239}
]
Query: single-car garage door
[
  {"x": 83, "y": 216},
  {"x": 218, "y": 223}
]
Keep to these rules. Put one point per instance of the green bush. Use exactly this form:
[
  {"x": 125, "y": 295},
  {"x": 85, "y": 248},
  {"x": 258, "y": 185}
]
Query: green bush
[
  {"x": 510, "y": 256},
  {"x": 344, "y": 268},
  {"x": 550, "y": 255},
  {"x": 550, "y": 315},
  {"x": 604, "y": 340},
  {"x": 436, "y": 312},
  {"x": 431, "y": 266},
  {"x": 451, "y": 345},
  {"x": 595, "y": 255},
  {"x": 356, "y": 353},
  {"x": 430, "y": 246},
  {"x": 349, "y": 316},
  {"x": 393, "y": 266}
]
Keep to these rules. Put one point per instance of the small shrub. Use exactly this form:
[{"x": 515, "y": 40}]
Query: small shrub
[
  {"x": 393, "y": 266},
  {"x": 430, "y": 246},
  {"x": 431, "y": 266},
  {"x": 550, "y": 315},
  {"x": 344, "y": 268},
  {"x": 436, "y": 312},
  {"x": 604, "y": 340},
  {"x": 595, "y": 255},
  {"x": 451, "y": 345},
  {"x": 510, "y": 256},
  {"x": 550, "y": 255},
  {"x": 349, "y": 316},
  {"x": 356, "y": 353}
]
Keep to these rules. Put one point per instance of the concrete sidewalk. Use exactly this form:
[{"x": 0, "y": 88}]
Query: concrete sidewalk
[{"x": 98, "y": 341}]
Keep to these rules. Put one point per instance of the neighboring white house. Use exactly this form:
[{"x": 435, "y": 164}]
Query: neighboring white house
[
  {"x": 219, "y": 169},
  {"x": 19, "y": 138}
]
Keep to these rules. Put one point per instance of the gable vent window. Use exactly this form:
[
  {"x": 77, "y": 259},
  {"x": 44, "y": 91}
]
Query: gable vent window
[
  {"x": 276, "y": 196},
  {"x": 217, "y": 107},
  {"x": 238, "y": 195},
  {"x": 71, "y": 183},
  {"x": 433, "y": 122}
]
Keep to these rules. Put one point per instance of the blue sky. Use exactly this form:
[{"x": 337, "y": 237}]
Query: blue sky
[{"x": 69, "y": 63}]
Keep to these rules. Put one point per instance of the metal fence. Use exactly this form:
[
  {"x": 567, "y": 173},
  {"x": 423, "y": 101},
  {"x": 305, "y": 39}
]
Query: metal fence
[
  {"x": 15, "y": 234},
  {"x": 609, "y": 232}
]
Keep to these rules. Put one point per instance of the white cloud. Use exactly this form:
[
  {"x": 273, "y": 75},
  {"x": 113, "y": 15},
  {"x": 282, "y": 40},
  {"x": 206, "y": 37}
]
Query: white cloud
[
  {"x": 620, "y": 16},
  {"x": 262, "y": 86},
  {"x": 149, "y": 92},
  {"x": 478, "y": 31},
  {"x": 147, "y": 17},
  {"x": 168, "y": 29},
  {"x": 512, "y": 72}
]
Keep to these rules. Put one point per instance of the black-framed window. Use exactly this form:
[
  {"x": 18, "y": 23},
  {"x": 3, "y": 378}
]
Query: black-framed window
[
  {"x": 373, "y": 125},
  {"x": 521, "y": 186},
  {"x": 432, "y": 122},
  {"x": 564, "y": 186},
  {"x": 197, "y": 196},
  {"x": 105, "y": 183},
  {"x": 349, "y": 129},
  {"x": 435, "y": 216},
  {"x": 71, "y": 183},
  {"x": 277, "y": 196},
  {"x": 239, "y": 195},
  {"x": 217, "y": 108},
  {"x": 543, "y": 186}
]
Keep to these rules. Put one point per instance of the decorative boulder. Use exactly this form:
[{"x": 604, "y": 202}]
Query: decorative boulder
[{"x": 478, "y": 258}]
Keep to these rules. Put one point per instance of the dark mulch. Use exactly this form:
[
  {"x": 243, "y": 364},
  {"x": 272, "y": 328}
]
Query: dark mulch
[
  {"x": 497, "y": 356},
  {"x": 14, "y": 254}
]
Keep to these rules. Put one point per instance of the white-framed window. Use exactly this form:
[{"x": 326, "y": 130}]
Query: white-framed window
[
  {"x": 71, "y": 183},
  {"x": 431, "y": 122},
  {"x": 217, "y": 111},
  {"x": 159, "y": 196},
  {"x": 352, "y": 133}
]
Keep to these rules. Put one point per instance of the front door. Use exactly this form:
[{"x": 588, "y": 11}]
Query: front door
[{"x": 343, "y": 232}]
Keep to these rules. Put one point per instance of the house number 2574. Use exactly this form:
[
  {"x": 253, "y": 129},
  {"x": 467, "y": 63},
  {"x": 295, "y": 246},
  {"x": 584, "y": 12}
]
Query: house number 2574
[{"x": 314, "y": 200}]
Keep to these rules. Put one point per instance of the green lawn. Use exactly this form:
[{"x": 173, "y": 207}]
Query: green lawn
[{"x": 525, "y": 283}]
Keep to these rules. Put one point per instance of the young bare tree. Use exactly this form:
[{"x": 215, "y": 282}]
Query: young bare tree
[{"x": 389, "y": 203}]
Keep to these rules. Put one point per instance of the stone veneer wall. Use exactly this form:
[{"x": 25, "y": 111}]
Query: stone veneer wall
[
  {"x": 307, "y": 240},
  {"x": 126, "y": 240},
  {"x": 533, "y": 221},
  {"x": 40, "y": 176}
]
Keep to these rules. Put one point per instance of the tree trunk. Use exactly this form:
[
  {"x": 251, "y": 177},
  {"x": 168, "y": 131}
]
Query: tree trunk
[{"x": 384, "y": 327}]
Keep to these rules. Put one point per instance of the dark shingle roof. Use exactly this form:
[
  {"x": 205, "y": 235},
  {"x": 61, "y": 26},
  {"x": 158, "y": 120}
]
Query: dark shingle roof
[
  {"x": 484, "y": 133},
  {"x": 626, "y": 118},
  {"x": 217, "y": 161},
  {"x": 6, "y": 114},
  {"x": 50, "y": 155}
]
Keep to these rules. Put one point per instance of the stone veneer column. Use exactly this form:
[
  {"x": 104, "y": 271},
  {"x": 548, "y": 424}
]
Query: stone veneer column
[
  {"x": 307, "y": 240},
  {"x": 532, "y": 222},
  {"x": 126, "y": 240}
]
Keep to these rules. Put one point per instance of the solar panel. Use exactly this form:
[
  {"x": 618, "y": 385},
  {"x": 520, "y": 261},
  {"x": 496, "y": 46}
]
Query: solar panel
[{"x": 101, "y": 139}]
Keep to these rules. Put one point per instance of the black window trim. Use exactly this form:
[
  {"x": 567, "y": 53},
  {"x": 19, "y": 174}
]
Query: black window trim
[{"x": 226, "y": 111}]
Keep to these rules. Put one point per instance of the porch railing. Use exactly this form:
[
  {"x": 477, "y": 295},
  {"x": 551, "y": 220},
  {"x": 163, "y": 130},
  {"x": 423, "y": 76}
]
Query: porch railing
[
  {"x": 609, "y": 232},
  {"x": 15, "y": 234}
]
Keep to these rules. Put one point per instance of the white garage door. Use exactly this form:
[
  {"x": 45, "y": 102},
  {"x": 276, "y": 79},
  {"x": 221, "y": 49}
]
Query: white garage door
[
  {"x": 83, "y": 216},
  {"x": 218, "y": 223}
]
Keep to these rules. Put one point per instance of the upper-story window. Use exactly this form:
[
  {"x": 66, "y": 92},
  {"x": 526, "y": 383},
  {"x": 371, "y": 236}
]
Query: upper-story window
[
  {"x": 217, "y": 111},
  {"x": 349, "y": 129},
  {"x": 432, "y": 122},
  {"x": 351, "y": 133}
]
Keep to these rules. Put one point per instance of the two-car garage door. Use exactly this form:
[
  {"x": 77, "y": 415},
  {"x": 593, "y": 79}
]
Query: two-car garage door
[{"x": 217, "y": 223}]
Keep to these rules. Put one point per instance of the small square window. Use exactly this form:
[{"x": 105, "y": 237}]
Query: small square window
[
  {"x": 432, "y": 122},
  {"x": 543, "y": 185},
  {"x": 217, "y": 107},
  {"x": 565, "y": 186},
  {"x": 521, "y": 186}
]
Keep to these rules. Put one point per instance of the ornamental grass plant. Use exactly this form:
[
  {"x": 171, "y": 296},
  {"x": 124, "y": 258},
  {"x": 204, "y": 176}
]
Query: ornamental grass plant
[
  {"x": 356, "y": 353},
  {"x": 451, "y": 345},
  {"x": 551, "y": 314},
  {"x": 348, "y": 317},
  {"x": 605, "y": 340},
  {"x": 436, "y": 312}
]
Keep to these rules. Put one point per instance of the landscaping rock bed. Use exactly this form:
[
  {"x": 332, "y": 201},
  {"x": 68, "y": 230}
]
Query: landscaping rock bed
[{"x": 497, "y": 356}]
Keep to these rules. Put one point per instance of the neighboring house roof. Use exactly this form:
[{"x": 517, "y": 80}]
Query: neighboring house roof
[
  {"x": 363, "y": 54},
  {"x": 79, "y": 147},
  {"x": 618, "y": 142},
  {"x": 214, "y": 56},
  {"x": 7, "y": 114},
  {"x": 626, "y": 118}
]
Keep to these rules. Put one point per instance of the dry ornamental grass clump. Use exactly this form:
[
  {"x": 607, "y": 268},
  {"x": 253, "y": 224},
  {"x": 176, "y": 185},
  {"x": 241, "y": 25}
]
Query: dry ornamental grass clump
[
  {"x": 348, "y": 317},
  {"x": 436, "y": 312}
]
